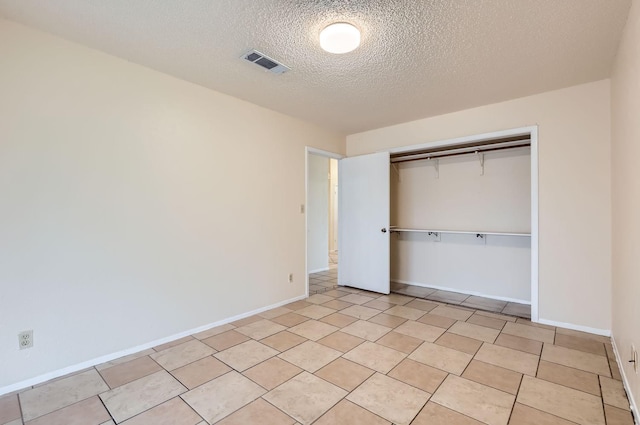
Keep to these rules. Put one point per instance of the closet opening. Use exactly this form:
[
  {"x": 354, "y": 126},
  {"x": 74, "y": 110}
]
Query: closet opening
[{"x": 463, "y": 222}]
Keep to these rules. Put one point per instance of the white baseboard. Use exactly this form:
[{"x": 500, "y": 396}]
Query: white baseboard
[
  {"x": 625, "y": 382},
  {"x": 462, "y": 291},
  {"x": 107, "y": 358},
  {"x": 324, "y": 269},
  {"x": 596, "y": 331}
]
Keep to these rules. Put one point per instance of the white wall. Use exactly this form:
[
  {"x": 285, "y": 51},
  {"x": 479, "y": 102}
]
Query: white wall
[
  {"x": 574, "y": 188},
  {"x": 625, "y": 130},
  {"x": 333, "y": 204},
  {"x": 318, "y": 214},
  {"x": 133, "y": 205},
  {"x": 458, "y": 197}
]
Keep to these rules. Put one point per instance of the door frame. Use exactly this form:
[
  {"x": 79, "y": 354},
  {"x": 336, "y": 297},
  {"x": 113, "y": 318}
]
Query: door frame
[
  {"x": 308, "y": 150},
  {"x": 532, "y": 132}
]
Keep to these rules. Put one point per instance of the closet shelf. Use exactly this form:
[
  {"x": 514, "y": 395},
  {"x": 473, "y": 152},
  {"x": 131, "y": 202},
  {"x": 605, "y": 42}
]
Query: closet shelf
[{"x": 394, "y": 229}]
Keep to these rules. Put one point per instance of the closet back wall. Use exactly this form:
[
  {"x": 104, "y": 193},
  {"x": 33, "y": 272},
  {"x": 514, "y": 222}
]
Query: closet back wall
[{"x": 460, "y": 198}]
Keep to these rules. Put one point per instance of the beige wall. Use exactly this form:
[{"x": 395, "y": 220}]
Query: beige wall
[
  {"x": 133, "y": 205},
  {"x": 625, "y": 130},
  {"x": 317, "y": 213},
  {"x": 574, "y": 188}
]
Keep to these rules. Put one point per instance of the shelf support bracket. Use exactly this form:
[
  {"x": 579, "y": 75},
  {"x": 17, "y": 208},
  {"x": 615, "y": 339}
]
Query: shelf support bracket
[{"x": 481, "y": 159}]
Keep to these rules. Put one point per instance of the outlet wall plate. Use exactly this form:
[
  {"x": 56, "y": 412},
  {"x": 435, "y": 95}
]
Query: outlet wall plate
[{"x": 25, "y": 339}]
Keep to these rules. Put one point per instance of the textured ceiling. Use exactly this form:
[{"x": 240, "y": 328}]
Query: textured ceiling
[{"x": 417, "y": 58}]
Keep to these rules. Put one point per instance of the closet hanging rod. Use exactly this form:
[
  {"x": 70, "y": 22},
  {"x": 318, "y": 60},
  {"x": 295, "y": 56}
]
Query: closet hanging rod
[{"x": 443, "y": 153}]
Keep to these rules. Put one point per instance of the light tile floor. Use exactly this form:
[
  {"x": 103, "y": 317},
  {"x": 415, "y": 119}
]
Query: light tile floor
[{"x": 347, "y": 357}]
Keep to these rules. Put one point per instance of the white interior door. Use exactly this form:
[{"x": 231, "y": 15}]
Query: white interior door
[{"x": 363, "y": 222}]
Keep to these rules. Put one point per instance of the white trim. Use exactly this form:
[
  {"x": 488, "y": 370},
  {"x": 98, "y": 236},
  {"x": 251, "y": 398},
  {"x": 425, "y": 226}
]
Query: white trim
[
  {"x": 463, "y": 291},
  {"x": 532, "y": 131},
  {"x": 307, "y": 151},
  {"x": 323, "y": 269},
  {"x": 625, "y": 382},
  {"x": 587, "y": 329},
  {"x": 103, "y": 359}
]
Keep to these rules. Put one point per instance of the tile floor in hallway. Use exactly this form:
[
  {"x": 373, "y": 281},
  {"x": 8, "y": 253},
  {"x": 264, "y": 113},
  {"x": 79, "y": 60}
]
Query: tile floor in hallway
[{"x": 347, "y": 357}]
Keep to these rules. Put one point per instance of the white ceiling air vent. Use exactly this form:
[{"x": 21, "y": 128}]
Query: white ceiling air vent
[{"x": 265, "y": 61}]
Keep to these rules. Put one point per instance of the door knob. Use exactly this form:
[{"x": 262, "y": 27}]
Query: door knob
[{"x": 383, "y": 230}]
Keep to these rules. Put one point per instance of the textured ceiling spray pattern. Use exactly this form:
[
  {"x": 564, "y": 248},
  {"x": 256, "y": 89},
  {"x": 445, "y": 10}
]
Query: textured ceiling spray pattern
[{"x": 417, "y": 58}]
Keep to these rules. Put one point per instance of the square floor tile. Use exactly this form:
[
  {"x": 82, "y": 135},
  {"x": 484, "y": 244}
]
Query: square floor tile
[
  {"x": 213, "y": 331},
  {"x": 438, "y": 321},
  {"x": 223, "y": 396},
  {"x": 452, "y": 361},
  {"x": 580, "y": 344},
  {"x": 515, "y": 309},
  {"x": 344, "y": 373},
  {"x": 579, "y": 334},
  {"x": 313, "y": 329},
  {"x": 170, "y": 344},
  {"x": 261, "y": 329},
  {"x": 180, "y": 355},
  {"x": 378, "y": 305},
  {"x": 486, "y": 303},
  {"x": 520, "y": 344},
  {"x": 338, "y": 320},
  {"x": 130, "y": 371},
  {"x": 478, "y": 332},
  {"x": 405, "y": 312},
  {"x": 336, "y": 304},
  {"x": 360, "y": 312},
  {"x": 297, "y": 305},
  {"x": 460, "y": 343},
  {"x": 434, "y": 414},
  {"x": 366, "y": 330},
  {"x": 274, "y": 312},
  {"x": 356, "y": 299},
  {"x": 497, "y": 316},
  {"x": 246, "y": 321},
  {"x": 567, "y": 403},
  {"x": 613, "y": 393},
  {"x": 425, "y": 306},
  {"x": 9, "y": 408},
  {"x": 529, "y": 332},
  {"x": 420, "y": 330},
  {"x": 225, "y": 340},
  {"x": 489, "y": 322},
  {"x": 507, "y": 358},
  {"x": 315, "y": 311},
  {"x": 290, "y": 319},
  {"x": 396, "y": 299},
  {"x": 87, "y": 412},
  {"x": 60, "y": 393},
  {"x": 257, "y": 412},
  {"x": 391, "y": 399},
  {"x": 451, "y": 312},
  {"x": 525, "y": 415},
  {"x": 246, "y": 355},
  {"x": 137, "y": 396},
  {"x": 310, "y": 356},
  {"x": 403, "y": 343},
  {"x": 478, "y": 401},
  {"x": 387, "y": 320},
  {"x": 493, "y": 376},
  {"x": 282, "y": 341},
  {"x": 576, "y": 359},
  {"x": 375, "y": 356},
  {"x": 305, "y": 397},
  {"x": 569, "y": 377},
  {"x": 418, "y": 375},
  {"x": 271, "y": 373},
  {"x": 200, "y": 371},
  {"x": 346, "y": 412},
  {"x": 174, "y": 412},
  {"x": 617, "y": 416},
  {"x": 319, "y": 299},
  {"x": 341, "y": 341},
  {"x": 448, "y": 297}
]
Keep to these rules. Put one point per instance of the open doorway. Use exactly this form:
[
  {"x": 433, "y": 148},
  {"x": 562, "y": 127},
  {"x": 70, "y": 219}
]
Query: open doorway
[{"x": 322, "y": 221}]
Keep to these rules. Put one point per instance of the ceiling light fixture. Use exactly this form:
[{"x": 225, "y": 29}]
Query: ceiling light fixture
[{"x": 340, "y": 37}]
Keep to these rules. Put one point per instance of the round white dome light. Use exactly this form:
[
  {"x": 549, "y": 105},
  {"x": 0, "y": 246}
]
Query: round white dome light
[{"x": 340, "y": 37}]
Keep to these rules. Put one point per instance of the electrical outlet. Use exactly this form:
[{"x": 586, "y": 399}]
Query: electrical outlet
[
  {"x": 290, "y": 277},
  {"x": 634, "y": 358},
  {"x": 25, "y": 339}
]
